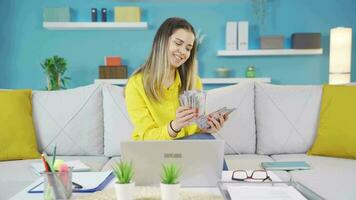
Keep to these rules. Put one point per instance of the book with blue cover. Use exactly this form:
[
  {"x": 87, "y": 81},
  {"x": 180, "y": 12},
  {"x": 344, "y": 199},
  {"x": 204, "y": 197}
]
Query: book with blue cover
[{"x": 287, "y": 165}]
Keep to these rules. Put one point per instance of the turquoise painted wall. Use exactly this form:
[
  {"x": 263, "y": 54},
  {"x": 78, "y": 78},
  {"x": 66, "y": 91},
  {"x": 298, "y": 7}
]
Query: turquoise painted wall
[{"x": 25, "y": 44}]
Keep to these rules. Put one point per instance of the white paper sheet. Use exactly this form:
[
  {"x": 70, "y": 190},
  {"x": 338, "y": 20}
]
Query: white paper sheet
[{"x": 264, "y": 193}]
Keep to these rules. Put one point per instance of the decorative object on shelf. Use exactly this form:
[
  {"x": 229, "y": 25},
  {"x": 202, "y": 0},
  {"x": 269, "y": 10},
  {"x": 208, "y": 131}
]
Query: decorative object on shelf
[
  {"x": 124, "y": 186},
  {"x": 94, "y": 15},
  {"x": 222, "y": 72},
  {"x": 236, "y": 36},
  {"x": 340, "y": 55},
  {"x": 231, "y": 36},
  {"x": 242, "y": 35},
  {"x": 54, "y": 68},
  {"x": 306, "y": 40},
  {"x": 170, "y": 185},
  {"x": 250, "y": 72},
  {"x": 112, "y": 61},
  {"x": 127, "y": 14},
  {"x": 272, "y": 42},
  {"x": 260, "y": 11},
  {"x": 104, "y": 14},
  {"x": 112, "y": 72},
  {"x": 57, "y": 14}
]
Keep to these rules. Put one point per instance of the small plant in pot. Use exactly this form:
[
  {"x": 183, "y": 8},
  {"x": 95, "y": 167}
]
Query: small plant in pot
[
  {"x": 54, "y": 68},
  {"x": 124, "y": 186},
  {"x": 170, "y": 185}
]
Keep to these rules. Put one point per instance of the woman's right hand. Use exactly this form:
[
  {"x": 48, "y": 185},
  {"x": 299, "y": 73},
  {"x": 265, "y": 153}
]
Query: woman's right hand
[{"x": 184, "y": 115}]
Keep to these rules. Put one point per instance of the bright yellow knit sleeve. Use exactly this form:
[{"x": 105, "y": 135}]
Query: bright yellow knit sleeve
[{"x": 145, "y": 127}]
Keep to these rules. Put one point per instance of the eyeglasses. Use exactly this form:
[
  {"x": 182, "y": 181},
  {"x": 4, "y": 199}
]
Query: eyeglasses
[{"x": 257, "y": 175}]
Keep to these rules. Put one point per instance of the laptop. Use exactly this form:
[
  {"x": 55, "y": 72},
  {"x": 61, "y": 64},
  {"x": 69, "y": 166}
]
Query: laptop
[{"x": 200, "y": 161}]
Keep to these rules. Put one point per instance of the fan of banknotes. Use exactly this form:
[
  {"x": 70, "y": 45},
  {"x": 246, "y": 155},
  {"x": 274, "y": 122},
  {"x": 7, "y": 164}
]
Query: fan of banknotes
[
  {"x": 194, "y": 99},
  {"x": 197, "y": 99}
]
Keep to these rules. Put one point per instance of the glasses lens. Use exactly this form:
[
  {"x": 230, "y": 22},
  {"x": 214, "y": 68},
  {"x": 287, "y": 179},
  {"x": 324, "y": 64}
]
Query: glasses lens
[
  {"x": 259, "y": 175},
  {"x": 240, "y": 175}
]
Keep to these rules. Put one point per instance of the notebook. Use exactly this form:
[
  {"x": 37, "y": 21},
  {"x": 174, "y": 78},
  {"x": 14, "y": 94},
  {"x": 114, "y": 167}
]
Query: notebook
[
  {"x": 289, "y": 165},
  {"x": 77, "y": 165},
  {"x": 91, "y": 182}
]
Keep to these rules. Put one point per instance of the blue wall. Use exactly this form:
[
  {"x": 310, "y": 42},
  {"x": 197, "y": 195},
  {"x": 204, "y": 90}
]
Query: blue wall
[{"x": 25, "y": 44}]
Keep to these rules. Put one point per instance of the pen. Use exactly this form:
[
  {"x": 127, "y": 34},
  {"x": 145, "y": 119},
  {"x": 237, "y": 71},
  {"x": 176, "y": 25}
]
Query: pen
[
  {"x": 76, "y": 185},
  {"x": 45, "y": 163},
  {"x": 54, "y": 154}
]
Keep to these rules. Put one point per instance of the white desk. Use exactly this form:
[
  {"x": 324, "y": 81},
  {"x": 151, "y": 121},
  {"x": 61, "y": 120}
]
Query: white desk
[{"x": 226, "y": 176}]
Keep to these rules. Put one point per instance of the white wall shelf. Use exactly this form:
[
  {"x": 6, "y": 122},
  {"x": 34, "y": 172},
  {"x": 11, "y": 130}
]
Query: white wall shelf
[
  {"x": 204, "y": 80},
  {"x": 95, "y": 25},
  {"x": 270, "y": 52}
]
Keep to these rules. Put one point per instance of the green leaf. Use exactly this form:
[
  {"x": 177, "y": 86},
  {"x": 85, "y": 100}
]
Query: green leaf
[
  {"x": 123, "y": 171},
  {"x": 55, "y": 67},
  {"x": 170, "y": 173}
]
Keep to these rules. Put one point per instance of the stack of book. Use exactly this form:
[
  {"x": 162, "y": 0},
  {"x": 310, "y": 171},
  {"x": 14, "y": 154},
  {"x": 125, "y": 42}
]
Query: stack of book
[{"x": 113, "y": 68}]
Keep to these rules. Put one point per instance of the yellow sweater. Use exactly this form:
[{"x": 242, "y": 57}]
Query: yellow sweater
[{"x": 150, "y": 118}]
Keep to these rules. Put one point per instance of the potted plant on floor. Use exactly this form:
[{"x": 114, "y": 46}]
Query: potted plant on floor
[
  {"x": 124, "y": 186},
  {"x": 170, "y": 185}
]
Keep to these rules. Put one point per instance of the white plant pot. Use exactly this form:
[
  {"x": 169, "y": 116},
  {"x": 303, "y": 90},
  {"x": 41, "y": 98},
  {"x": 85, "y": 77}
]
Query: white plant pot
[
  {"x": 170, "y": 191},
  {"x": 125, "y": 191}
]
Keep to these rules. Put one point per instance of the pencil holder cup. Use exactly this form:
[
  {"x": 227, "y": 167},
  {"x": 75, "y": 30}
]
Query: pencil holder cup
[{"x": 57, "y": 185}]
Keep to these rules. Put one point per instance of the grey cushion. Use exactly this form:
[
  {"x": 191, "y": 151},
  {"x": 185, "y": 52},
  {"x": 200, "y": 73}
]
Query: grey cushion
[
  {"x": 71, "y": 119},
  {"x": 239, "y": 131},
  {"x": 331, "y": 178},
  {"x": 117, "y": 124},
  {"x": 286, "y": 117}
]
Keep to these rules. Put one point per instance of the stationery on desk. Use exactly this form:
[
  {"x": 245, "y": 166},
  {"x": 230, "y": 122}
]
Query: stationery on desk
[
  {"x": 76, "y": 165},
  {"x": 82, "y": 181},
  {"x": 288, "y": 165},
  {"x": 90, "y": 182}
]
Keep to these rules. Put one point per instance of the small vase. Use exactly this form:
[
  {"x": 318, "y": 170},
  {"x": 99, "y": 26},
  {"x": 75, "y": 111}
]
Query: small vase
[
  {"x": 54, "y": 83},
  {"x": 125, "y": 191},
  {"x": 250, "y": 72},
  {"x": 170, "y": 191}
]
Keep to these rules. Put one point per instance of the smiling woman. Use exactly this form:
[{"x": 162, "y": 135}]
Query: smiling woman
[{"x": 152, "y": 93}]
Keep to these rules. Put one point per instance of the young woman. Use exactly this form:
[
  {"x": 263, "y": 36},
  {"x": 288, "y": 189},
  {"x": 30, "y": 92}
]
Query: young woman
[{"x": 152, "y": 93}]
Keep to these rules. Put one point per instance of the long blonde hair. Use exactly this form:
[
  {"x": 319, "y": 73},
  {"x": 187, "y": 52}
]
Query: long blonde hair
[{"x": 157, "y": 67}]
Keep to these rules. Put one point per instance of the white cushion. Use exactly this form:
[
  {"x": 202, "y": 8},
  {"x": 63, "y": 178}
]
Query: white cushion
[
  {"x": 117, "y": 123},
  {"x": 239, "y": 131},
  {"x": 286, "y": 117},
  {"x": 331, "y": 178},
  {"x": 71, "y": 119}
]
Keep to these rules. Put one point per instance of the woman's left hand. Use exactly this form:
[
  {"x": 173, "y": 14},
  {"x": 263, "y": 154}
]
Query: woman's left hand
[{"x": 215, "y": 125}]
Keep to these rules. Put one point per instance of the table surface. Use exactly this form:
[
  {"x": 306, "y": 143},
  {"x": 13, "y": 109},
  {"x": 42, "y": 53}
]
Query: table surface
[{"x": 226, "y": 176}]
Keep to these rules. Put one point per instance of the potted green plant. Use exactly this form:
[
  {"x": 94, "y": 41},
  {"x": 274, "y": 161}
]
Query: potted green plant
[
  {"x": 124, "y": 186},
  {"x": 170, "y": 185},
  {"x": 54, "y": 68}
]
